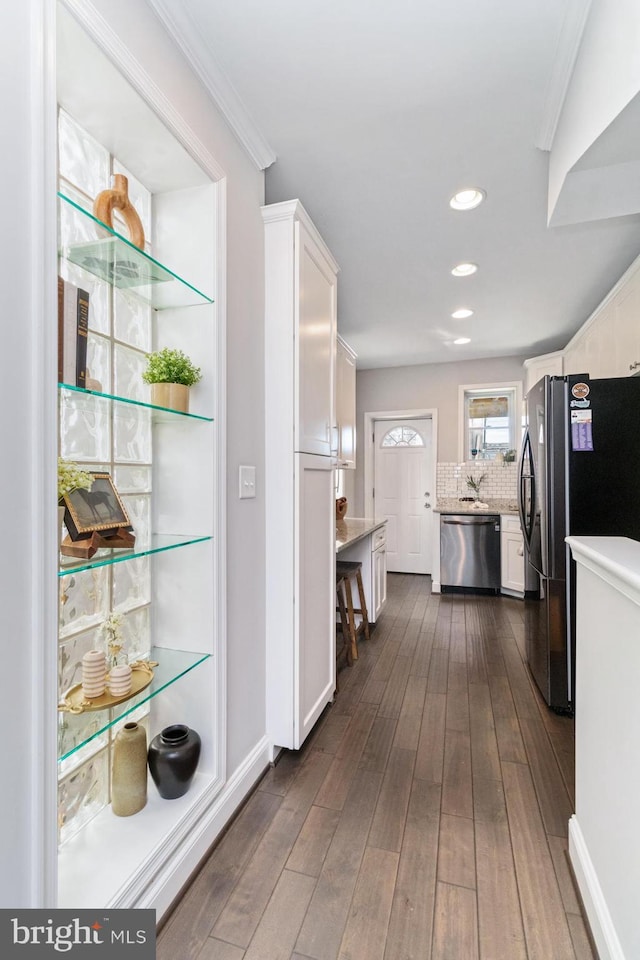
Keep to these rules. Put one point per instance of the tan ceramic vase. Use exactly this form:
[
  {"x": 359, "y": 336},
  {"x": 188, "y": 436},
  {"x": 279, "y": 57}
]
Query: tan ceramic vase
[
  {"x": 129, "y": 770},
  {"x": 174, "y": 396}
]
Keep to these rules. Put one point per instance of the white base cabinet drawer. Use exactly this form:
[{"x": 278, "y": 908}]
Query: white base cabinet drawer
[
  {"x": 379, "y": 580},
  {"x": 511, "y": 556}
]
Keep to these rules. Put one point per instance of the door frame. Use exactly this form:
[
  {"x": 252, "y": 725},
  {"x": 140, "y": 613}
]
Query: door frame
[{"x": 430, "y": 413}]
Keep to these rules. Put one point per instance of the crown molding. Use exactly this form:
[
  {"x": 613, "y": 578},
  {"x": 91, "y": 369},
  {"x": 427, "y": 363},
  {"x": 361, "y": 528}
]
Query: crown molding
[
  {"x": 573, "y": 25},
  {"x": 185, "y": 33},
  {"x": 291, "y": 210}
]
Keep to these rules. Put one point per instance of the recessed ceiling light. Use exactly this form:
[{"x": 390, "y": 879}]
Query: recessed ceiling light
[
  {"x": 462, "y": 314},
  {"x": 462, "y": 340},
  {"x": 467, "y": 199},
  {"x": 464, "y": 269}
]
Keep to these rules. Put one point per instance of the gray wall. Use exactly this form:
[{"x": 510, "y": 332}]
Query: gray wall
[{"x": 430, "y": 385}]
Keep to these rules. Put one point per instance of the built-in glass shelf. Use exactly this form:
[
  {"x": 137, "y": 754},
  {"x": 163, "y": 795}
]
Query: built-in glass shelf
[
  {"x": 159, "y": 543},
  {"x": 76, "y": 730},
  {"x": 124, "y": 406},
  {"x": 114, "y": 259}
]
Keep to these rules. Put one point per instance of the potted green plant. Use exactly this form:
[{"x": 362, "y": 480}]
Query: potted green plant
[
  {"x": 171, "y": 373},
  {"x": 70, "y": 477}
]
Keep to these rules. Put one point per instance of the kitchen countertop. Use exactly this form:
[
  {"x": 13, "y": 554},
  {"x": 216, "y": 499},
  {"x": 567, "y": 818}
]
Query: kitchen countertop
[
  {"x": 454, "y": 505},
  {"x": 351, "y": 529}
]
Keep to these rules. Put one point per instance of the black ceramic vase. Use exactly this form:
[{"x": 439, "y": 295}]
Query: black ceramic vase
[{"x": 173, "y": 758}]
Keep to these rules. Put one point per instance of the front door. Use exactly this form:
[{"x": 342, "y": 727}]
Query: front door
[{"x": 403, "y": 494}]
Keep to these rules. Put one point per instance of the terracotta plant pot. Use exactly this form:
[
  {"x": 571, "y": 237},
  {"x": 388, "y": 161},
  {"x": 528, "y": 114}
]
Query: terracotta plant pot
[{"x": 174, "y": 396}]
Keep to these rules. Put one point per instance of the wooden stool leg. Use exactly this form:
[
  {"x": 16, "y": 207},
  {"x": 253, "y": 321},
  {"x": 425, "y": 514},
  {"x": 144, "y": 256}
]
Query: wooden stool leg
[
  {"x": 344, "y": 623},
  {"x": 352, "y": 618},
  {"x": 363, "y": 605}
]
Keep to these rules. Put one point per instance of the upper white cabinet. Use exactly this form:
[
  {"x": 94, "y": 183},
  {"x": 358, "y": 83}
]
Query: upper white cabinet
[
  {"x": 608, "y": 344},
  {"x": 301, "y": 286},
  {"x": 346, "y": 405},
  {"x": 625, "y": 335},
  {"x": 550, "y": 364}
]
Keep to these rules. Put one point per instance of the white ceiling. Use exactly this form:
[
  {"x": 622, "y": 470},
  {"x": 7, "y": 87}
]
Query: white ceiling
[{"x": 377, "y": 113}]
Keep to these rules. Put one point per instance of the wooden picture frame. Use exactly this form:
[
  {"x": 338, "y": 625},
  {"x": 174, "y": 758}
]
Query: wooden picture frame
[{"x": 98, "y": 510}]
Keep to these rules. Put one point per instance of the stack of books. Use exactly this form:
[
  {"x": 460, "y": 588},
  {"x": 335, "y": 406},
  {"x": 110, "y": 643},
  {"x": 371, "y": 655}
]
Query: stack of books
[{"x": 73, "y": 327}]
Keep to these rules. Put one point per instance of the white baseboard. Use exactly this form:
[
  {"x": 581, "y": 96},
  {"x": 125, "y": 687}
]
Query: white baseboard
[
  {"x": 435, "y": 586},
  {"x": 595, "y": 905},
  {"x": 168, "y": 883}
]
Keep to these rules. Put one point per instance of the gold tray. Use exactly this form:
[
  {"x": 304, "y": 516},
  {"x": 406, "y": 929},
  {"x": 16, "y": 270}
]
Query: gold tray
[{"x": 75, "y": 702}]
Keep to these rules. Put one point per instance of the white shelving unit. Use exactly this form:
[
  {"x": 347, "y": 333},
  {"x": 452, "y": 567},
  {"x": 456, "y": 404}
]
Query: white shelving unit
[{"x": 144, "y": 860}]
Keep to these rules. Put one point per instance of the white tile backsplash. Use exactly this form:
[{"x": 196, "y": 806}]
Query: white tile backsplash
[{"x": 500, "y": 482}]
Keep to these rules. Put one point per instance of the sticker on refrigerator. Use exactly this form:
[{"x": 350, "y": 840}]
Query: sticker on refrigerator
[
  {"x": 580, "y": 390},
  {"x": 581, "y": 433}
]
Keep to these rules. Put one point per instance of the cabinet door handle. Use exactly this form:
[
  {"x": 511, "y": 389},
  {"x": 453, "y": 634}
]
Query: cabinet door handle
[
  {"x": 634, "y": 365},
  {"x": 520, "y": 551},
  {"x": 335, "y": 444}
]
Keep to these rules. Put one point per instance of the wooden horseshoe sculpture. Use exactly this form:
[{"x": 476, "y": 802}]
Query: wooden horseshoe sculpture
[{"x": 118, "y": 198}]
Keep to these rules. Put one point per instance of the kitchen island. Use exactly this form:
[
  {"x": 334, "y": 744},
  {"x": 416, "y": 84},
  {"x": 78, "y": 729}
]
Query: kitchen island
[
  {"x": 604, "y": 839},
  {"x": 364, "y": 540}
]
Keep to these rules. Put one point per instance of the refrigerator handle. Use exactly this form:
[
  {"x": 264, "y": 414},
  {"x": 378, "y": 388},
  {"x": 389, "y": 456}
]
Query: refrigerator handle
[{"x": 522, "y": 480}]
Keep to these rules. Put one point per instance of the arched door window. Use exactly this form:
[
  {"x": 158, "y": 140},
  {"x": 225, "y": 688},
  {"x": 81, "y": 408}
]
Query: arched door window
[{"x": 402, "y": 437}]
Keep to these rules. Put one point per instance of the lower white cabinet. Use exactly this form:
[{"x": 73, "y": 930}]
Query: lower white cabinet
[
  {"x": 371, "y": 551},
  {"x": 378, "y": 573},
  {"x": 300, "y": 601},
  {"x": 511, "y": 556}
]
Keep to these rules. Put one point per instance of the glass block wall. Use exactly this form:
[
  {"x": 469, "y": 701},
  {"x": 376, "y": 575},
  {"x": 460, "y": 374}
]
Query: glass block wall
[{"x": 102, "y": 436}]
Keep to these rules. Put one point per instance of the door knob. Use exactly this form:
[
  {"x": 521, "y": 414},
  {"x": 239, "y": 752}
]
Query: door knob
[{"x": 427, "y": 494}]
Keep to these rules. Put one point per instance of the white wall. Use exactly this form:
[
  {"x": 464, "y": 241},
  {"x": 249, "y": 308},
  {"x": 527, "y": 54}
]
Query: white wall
[
  {"x": 431, "y": 385},
  {"x": 27, "y": 538}
]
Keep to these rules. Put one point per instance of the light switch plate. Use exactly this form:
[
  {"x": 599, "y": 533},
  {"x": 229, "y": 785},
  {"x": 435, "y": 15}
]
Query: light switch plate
[{"x": 247, "y": 482}]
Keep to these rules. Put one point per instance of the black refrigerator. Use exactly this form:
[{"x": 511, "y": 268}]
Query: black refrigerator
[{"x": 578, "y": 474}]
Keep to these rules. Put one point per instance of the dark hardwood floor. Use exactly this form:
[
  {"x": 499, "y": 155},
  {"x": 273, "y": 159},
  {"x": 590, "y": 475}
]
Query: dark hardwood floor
[{"x": 424, "y": 819}]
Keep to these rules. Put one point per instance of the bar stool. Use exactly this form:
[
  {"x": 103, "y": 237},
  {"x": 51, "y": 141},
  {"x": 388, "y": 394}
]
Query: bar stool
[
  {"x": 344, "y": 624},
  {"x": 347, "y": 569}
]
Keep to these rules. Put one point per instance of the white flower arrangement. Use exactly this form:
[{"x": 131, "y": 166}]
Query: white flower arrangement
[
  {"x": 72, "y": 477},
  {"x": 112, "y": 628}
]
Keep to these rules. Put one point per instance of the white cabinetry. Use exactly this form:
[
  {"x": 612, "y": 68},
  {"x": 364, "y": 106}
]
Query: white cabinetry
[
  {"x": 608, "y": 343},
  {"x": 378, "y": 573},
  {"x": 625, "y": 334},
  {"x": 346, "y": 405},
  {"x": 300, "y": 332},
  {"x": 550, "y": 364},
  {"x": 511, "y": 556},
  {"x": 305, "y": 312}
]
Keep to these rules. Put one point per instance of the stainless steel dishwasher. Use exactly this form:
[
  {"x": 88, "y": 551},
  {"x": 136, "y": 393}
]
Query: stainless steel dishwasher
[{"x": 470, "y": 550}]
